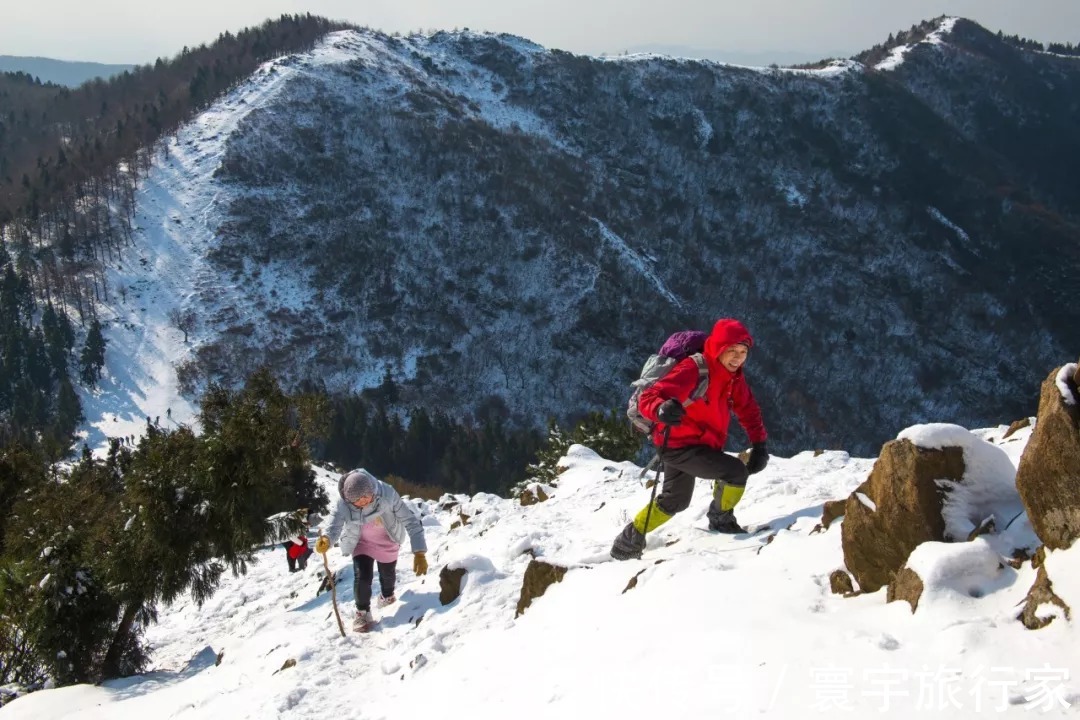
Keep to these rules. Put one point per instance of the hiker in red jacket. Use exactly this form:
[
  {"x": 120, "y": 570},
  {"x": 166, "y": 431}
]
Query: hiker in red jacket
[
  {"x": 696, "y": 432},
  {"x": 297, "y": 552}
]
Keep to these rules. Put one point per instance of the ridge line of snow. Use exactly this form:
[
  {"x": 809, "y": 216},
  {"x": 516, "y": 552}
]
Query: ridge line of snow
[{"x": 935, "y": 37}]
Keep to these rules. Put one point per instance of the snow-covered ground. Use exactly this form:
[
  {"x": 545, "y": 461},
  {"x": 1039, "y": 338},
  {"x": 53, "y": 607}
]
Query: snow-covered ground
[{"x": 716, "y": 625}]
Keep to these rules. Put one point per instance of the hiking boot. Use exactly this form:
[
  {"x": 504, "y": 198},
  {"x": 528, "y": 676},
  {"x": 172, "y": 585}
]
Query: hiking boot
[
  {"x": 629, "y": 544},
  {"x": 384, "y": 601},
  {"x": 723, "y": 521},
  {"x": 363, "y": 622}
]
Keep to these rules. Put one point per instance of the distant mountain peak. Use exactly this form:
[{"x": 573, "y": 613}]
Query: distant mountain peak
[
  {"x": 61, "y": 72},
  {"x": 486, "y": 223}
]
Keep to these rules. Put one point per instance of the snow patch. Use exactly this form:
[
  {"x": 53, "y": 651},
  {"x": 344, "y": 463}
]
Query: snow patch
[
  {"x": 1062, "y": 381},
  {"x": 937, "y": 37},
  {"x": 794, "y": 197},
  {"x": 958, "y": 571},
  {"x": 636, "y": 261},
  {"x": 940, "y": 217}
]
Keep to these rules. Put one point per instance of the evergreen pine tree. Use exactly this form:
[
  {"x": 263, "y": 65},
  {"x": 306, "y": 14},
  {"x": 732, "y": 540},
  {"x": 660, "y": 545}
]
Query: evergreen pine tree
[
  {"x": 67, "y": 416},
  {"x": 56, "y": 538},
  {"x": 92, "y": 358},
  {"x": 609, "y": 435},
  {"x": 547, "y": 457}
]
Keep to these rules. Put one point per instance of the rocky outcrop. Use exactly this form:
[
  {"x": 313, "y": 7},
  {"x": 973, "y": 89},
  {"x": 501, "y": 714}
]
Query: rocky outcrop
[
  {"x": 532, "y": 495},
  {"x": 1016, "y": 426},
  {"x": 1036, "y": 614},
  {"x": 1048, "y": 476},
  {"x": 906, "y": 585},
  {"x": 539, "y": 575},
  {"x": 450, "y": 584},
  {"x": 462, "y": 521},
  {"x": 832, "y": 510},
  {"x": 897, "y": 508},
  {"x": 840, "y": 583}
]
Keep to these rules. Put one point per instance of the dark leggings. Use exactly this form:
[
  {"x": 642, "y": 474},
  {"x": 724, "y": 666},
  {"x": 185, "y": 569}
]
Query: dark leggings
[
  {"x": 364, "y": 574},
  {"x": 682, "y": 465}
]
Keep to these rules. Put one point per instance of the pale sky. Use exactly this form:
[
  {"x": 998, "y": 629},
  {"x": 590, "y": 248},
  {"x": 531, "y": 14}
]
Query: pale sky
[{"x": 129, "y": 31}]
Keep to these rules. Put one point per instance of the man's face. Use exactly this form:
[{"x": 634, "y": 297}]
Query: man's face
[{"x": 734, "y": 356}]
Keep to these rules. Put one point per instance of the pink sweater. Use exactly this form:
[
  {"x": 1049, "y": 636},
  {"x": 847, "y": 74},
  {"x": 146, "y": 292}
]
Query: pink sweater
[{"x": 375, "y": 542}]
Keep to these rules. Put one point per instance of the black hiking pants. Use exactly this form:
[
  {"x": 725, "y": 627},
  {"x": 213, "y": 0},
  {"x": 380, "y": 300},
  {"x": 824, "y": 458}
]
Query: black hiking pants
[
  {"x": 682, "y": 465},
  {"x": 364, "y": 574}
]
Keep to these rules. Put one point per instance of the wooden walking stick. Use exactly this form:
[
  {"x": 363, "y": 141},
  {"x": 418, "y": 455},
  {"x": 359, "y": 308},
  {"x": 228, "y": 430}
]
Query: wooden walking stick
[{"x": 333, "y": 591}]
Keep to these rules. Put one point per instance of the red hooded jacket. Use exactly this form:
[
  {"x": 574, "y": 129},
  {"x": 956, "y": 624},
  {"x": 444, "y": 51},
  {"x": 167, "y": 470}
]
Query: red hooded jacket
[
  {"x": 297, "y": 547},
  {"x": 706, "y": 420}
]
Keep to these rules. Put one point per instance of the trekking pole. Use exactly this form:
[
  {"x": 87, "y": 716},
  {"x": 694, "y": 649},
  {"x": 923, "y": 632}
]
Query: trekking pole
[
  {"x": 333, "y": 593},
  {"x": 652, "y": 498}
]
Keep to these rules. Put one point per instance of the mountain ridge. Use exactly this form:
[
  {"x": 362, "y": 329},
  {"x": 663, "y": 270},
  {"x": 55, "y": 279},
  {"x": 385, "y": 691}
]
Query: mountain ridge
[
  {"x": 70, "y": 73},
  {"x": 470, "y": 215}
]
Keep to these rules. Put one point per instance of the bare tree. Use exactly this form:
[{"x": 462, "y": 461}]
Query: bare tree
[{"x": 183, "y": 320}]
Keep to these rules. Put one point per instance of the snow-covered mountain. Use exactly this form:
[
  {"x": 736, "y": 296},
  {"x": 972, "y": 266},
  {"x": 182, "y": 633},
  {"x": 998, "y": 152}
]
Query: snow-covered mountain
[
  {"x": 704, "y": 625},
  {"x": 495, "y": 224}
]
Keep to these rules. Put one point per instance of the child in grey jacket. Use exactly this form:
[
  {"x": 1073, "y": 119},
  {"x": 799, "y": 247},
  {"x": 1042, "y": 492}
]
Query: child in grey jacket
[{"x": 372, "y": 521}]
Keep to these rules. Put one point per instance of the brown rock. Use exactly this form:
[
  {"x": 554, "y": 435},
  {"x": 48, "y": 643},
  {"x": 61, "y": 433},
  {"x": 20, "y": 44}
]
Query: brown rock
[
  {"x": 840, "y": 583},
  {"x": 1041, "y": 592},
  {"x": 903, "y": 487},
  {"x": 1016, "y": 425},
  {"x": 1049, "y": 471},
  {"x": 532, "y": 495},
  {"x": 633, "y": 582},
  {"x": 988, "y": 527},
  {"x": 450, "y": 584},
  {"x": 538, "y": 576},
  {"x": 832, "y": 510},
  {"x": 906, "y": 585}
]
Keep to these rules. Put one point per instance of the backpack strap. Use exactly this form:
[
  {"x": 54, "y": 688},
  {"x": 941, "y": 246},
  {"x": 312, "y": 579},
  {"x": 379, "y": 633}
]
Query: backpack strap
[{"x": 703, "y": 379}]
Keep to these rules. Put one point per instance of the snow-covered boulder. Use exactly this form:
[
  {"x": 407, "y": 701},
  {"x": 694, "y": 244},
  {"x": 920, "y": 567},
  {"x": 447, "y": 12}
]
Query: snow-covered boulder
[
  {"x": 935, "y": 482},
  {"x": 1049, "y": 471},
  {"x": 951, "y": 572},
  {"x": 533, "y": 494}
]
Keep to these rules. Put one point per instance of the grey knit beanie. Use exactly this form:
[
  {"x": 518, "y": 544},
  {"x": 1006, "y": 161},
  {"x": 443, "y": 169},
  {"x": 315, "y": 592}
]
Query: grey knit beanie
[{"x": 356, "y": 485}]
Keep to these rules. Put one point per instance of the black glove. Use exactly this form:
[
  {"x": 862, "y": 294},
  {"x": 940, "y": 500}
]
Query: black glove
[
  {"x": 759, "y": 458},
  {"x": 671, "y": 412}
]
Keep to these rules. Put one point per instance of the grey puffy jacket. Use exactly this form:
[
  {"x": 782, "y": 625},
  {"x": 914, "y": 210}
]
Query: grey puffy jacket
[{"x": 399, "y": 519}]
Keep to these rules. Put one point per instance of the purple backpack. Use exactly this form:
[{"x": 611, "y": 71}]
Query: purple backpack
[{"x": 683, "y": 344}]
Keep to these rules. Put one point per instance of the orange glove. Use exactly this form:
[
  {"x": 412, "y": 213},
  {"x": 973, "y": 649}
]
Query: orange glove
[
  {"x": 419, "y": 563},
  {"x": 322, "y": 544}
]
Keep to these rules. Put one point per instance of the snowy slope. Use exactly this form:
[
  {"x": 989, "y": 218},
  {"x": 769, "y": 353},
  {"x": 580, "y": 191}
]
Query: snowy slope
[{"x": 715, "y": 624}]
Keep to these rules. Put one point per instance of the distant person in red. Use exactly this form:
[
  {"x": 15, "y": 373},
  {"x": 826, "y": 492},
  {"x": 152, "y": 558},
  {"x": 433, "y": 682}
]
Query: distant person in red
[
  {"x": 297, "y": 551},
  {"x": 696, "y": 432}
]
